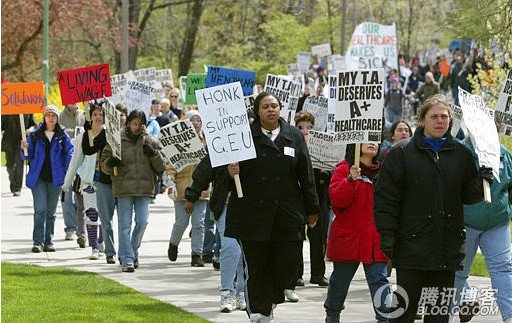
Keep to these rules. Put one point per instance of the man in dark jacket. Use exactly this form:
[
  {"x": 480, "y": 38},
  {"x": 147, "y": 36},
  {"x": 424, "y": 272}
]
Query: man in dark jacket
[{"x": 419, "y": 195}]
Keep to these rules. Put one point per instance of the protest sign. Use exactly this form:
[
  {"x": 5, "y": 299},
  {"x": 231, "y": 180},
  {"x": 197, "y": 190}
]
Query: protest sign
[
  {"x": 146, "y": 76},
  {"x": 504, "y": 104},
  {"x": 325, "y": 150},
  {"x": 372, "y": 46},
  {"x": 303, "y": 61},
  {"x": 457, "y": 120},
  {"x": 249, "y": 102},
  {"x": 322, "y": 50},
  {"x": 287, "y": 91},
  {"x": 292, "y": 69},
  {"x": 22, "y": 98},
  {"x": 183, "y": 87},
  {"x": 337, "y": 62},
  {"x": 194, "y": 82},
  {"x": 483, "y": 133},
  {"x": 78, "y": 130},
  {"x": 357, "y": 98},
  {"x": 181, "y": 144},
  {"x": 113, "y": 128},
  {"x": 138, "y": 96},
  {"x": 225, "y": 124},
  {"x": 317, "y": 106},
  {"x": 84, "y": 84},
  {"x": 118, "y": 83},
  {"x": 164, "y": 77},
  {"x": 221, "y": 75}
]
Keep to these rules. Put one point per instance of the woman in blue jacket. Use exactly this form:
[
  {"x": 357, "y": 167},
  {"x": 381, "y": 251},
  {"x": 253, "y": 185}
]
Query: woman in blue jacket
[{"x": 49, "y": 153}]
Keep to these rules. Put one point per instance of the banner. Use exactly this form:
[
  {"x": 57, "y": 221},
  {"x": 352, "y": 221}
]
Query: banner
[
  {"x": 138, "y": 96},
  {"x": 303, "y": 61},
  {"x": 373, "y": 46},
  {"x": 357, "y": 99},
  {"x": 22, "y": 98},
  {"x": 194, "y": 82},
  {"x": 325, "y": 150},
  {"x": 181, "y": 144},
  {"x": 222, "y": 75},
  {"x": 322, "y": 50},
  {"x": 84, "y": 84},
  {"x": 504, "y": 104},
  {"x": 483, "y": 133},
  {"x": 225, "y": 124},
  {"x": 287, "y": 91},
  {"x": 113, "y": 128},
  {"x": 317, "y": 106}
]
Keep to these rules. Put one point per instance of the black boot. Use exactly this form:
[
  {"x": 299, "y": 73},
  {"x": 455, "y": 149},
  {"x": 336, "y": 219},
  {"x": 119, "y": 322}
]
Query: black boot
[
  {"x": 172, "y": 252},
  {"x": 197, "y": 261}
]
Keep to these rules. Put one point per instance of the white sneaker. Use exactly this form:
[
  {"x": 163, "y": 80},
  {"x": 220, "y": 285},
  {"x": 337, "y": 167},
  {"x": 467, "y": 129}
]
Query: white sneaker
[
  {"x": 227, "y": 302},
  {"x": 101, "y": 247},
  {"x": 70, "y": 236},
  {"x": 260, "y": 318},
  {"x": 95, "y": 255},
  {"x": 291, "y": 295},
  {"x": 240, "y": 301}
]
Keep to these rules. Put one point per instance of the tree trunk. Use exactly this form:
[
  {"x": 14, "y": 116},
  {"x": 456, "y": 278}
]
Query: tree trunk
[{"x": 187, "y": 48}]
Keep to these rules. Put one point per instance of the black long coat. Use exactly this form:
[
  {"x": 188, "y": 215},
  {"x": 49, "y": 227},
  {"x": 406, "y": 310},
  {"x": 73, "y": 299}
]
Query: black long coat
[
  {"x": 278, "y": 186},
  {"x": 418, "y": 203}
]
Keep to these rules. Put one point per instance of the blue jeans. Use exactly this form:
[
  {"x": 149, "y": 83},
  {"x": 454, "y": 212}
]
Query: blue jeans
[
  {"x": 392, "y": 115},
  {"x": 181, "y": 224},
  {"x": 231, "y": 266},
  {"x": 45, "y": 196},
  {"x": 495, "y": 246},
  {"x": 69, "y": 212},
  {"x": 209, "y": 233},
  {"x": 106, "y": 206},
  {"x": 340, "y": 282},
  {"x": 129, "y": 242}
]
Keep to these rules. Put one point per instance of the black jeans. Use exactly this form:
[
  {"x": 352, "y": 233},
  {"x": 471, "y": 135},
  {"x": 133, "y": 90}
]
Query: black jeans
[{"x": 14, "y": 164}]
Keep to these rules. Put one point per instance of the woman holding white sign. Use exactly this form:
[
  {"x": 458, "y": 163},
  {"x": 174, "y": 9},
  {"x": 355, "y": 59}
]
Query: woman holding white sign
[{"x": 279, "y": 198}]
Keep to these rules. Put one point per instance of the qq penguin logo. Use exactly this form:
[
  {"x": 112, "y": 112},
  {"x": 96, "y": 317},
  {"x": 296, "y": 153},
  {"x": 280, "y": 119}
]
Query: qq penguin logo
[{"x": 391, "y": 301}]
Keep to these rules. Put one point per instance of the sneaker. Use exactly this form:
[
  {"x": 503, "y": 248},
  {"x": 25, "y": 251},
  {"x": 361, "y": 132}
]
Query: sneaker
[
  {"x": 111, "y": 260},
  {"x": 216, "y": 263},
  {"x": 17, "y": 193},
  {"x": 70, "y": 236},
  {"x": 332, "y": 317},
  {"x": 172, "y": 252},
  {"x": 299, "y": 282},
  {"x": 95, "y": 255},
  {"x": 128, "y": 268},
  {"x": 291, "y": 295},
  {"x": 227, "y": 301},
  {"x": 197, "y": 261},
  {"x": 81, "y": 241},
  {"x": 320, "y": 281},
  {"x": 49, "y": 248},
  {"x": 240, "y": 301},
  {"x": 36, "y": 248},
  {"x": 260, "y": 318},
  {"x": 207, "y": 259},
  {"x": 101, "y": 247},
  {"x": 136, "y": 263}
]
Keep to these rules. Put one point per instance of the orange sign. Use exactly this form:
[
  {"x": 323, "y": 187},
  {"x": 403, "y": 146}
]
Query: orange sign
[{"x": 22, "y": 98}]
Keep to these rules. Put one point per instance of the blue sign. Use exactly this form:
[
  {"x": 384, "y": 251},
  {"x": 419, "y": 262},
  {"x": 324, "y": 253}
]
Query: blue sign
[{"x": 221, "y": 75}]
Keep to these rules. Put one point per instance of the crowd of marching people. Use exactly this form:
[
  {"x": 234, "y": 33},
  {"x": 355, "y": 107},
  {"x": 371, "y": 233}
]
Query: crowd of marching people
[{"x": 412, "y": 203}]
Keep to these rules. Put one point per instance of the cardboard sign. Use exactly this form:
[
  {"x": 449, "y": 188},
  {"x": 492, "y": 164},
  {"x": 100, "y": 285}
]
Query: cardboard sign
[
  {"x": 138, "y": 96},
  {"x": 357, "y": 98},
  {"x": 181, "y": 144},
  {"x": 373, "y": 46},
  {"x": 113, "y": 128},
  {"x": 504, "y": 104},
  {"x": 322, "y": 50},
  {"x": 84, "y": 84},
  {"x": 221, "y": 75},
  {"x": 194, "y": 82},
  {"x": 22, "y": 98},
  {"x": 325, "y": 150},
  {"x": 287, "y": 91},
  {"x": 317, "y": 106},
  {"x": 225, "y": 124}
]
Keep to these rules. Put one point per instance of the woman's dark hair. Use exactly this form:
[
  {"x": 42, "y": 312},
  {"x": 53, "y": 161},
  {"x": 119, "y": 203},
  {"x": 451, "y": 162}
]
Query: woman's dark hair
[
  {"x": 122, "y": 108},
  {"x": 351, "y": 152},
  {"x": 136, "y": 114},
  {"x": 260, "y": 97},
  {"x": 396, "y": 123},
  {"x": 97, "y": 105}
]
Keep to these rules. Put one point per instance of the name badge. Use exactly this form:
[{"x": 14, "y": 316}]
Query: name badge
[{"x": 289, "y": 151}]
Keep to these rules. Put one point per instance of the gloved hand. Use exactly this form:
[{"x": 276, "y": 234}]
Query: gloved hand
[
  {"x": 388, "y": 245},
  {"x": 148, "y": 150},
  {"x": 486, "y": 173},
  {"x": 113, "y": 162}
]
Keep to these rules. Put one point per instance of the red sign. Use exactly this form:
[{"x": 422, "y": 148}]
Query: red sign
[
  {"x": 84, "y": 84},
  {"x": 22, "y": 98}
]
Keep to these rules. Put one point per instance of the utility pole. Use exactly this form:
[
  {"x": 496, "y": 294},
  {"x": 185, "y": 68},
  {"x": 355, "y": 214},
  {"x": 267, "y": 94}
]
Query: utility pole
[
  {"x": 343, "y": 24},
  {"x": 124, "y": 42},
  {"x": 46, "y": 49}
]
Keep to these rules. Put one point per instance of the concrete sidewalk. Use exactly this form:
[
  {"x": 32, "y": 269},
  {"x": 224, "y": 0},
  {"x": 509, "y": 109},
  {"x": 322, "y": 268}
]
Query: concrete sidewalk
[{"x": 193, "y": 289}]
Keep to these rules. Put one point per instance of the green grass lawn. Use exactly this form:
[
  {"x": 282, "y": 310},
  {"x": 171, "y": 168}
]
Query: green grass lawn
[{"x": 39, "y": 294}]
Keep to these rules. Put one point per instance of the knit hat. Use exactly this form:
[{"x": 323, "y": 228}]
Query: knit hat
[
  {"x": 192, "y": 113},
  {"x": 50, "y": 108}
]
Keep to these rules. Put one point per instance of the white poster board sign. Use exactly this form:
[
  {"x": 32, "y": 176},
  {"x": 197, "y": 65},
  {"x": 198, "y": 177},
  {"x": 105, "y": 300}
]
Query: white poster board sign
[
  {"x": 322, "y": 50},
  {"x": 225, "y": 124},
  {"x": 317, "y": 106},
  {"x": 337, "y": 63},
  {"x": 287, "y": 91},
  {"x": 113, "y": 128},
  {"x": 181, "y": 144},
  {"x": 357, "y": 98},
  {"x": 303, "y": 61},
  {"x": 325, "y": 150},
  {"x": 138, "y": 96},
  {"x": 504, "y": 104}
]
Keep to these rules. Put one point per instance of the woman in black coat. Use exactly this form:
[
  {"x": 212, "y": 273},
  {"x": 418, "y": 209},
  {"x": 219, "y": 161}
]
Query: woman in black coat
[{"x": 279, "y": 198}]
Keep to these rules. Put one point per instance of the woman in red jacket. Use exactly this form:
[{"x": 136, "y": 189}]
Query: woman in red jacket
[{"x": 353, "y": 237}]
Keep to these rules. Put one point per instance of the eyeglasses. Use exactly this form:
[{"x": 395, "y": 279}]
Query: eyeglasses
[
  {"x": 173, "y": 96},
  {"x": 309, "y": 127}
]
